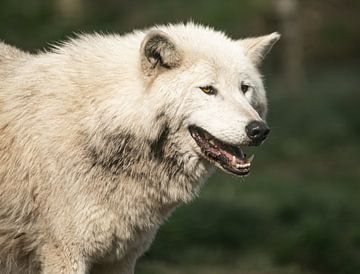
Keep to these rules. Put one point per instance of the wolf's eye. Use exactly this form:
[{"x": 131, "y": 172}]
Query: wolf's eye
[
  {"x": 244, "y": 87},
  {"x": 208, "y": 90}
]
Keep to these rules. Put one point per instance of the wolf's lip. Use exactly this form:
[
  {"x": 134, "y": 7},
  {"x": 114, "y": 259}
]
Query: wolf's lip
[{"x": 230, "y": 157}]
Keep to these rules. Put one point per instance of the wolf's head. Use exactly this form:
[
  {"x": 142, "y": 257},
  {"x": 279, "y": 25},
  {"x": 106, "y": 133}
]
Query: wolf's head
[{"x": 210, "y": 88}]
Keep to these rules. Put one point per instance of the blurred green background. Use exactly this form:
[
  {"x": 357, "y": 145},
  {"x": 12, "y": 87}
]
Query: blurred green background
[{"x": 299, "y": 210}]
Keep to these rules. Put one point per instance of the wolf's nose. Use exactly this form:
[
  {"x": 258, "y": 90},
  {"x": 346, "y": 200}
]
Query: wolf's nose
[{"x": 257, "y": 131}]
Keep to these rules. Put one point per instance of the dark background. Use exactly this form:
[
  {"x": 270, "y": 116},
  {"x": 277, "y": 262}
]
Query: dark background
[{"x": 299, "y": 210}]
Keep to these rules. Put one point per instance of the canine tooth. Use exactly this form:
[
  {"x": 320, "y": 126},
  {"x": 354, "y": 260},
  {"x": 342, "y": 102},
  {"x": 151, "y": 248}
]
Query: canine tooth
[
  {"x": 212, "y": 142},
  {"x": 251, "y": 158},
  {"x": 233, "y": 162}
]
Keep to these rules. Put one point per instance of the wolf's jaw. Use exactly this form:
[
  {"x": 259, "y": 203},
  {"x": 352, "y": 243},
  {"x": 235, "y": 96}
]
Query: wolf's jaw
[{"x": 228, "y": 157}]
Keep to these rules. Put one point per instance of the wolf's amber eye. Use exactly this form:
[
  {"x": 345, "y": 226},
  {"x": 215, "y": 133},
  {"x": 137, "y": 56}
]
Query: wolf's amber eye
[
  {"x": 244, "y": 87},
  {"x": 208, "y": 90}
]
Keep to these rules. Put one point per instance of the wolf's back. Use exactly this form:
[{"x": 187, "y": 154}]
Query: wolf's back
[
  {"x": 8, "y": 52},
  {"x": 9, "y": 58}
]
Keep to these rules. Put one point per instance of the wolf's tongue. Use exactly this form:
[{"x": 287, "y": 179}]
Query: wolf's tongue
[
  {"x": 232, "y": 151},
  {"x": 235, "y": 157},
  {"x": 228, "y": 155}
]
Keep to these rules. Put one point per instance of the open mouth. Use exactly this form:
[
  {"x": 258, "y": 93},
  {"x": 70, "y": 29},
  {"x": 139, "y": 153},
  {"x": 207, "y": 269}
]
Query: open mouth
[{"x": 230, "y": 157}]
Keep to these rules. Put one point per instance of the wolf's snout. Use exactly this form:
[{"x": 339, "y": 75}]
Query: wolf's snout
[{"x": 257, "y": 131}]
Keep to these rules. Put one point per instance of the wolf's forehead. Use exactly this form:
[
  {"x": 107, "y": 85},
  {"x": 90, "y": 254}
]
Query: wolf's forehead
[
  {"x": 223, "y": 58},
  {"x": 222, "y": 52},
  {"x": 226, "y": 65}
]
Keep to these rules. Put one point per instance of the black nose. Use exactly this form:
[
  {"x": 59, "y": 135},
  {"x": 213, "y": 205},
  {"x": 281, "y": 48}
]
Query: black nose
[{"x": 257, "y": 131}]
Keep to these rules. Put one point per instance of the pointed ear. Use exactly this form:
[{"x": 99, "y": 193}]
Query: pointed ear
[
  {"x": 257, "y": 47},
  {"x": 158, "y": 51}
]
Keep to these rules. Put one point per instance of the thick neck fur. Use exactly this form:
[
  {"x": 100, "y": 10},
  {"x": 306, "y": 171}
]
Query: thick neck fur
[{"x": 158, "y": 165}]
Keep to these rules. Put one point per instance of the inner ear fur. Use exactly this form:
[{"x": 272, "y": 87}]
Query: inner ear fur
[
  {"x": 256, "y": 48},
  {"x": 158, "y": 50}
]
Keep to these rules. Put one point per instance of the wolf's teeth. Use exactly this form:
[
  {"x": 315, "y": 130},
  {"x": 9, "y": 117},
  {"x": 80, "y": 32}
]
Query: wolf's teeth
[
  {"x": 251, "y": 158},
  {"x": 242, "y": 165}
]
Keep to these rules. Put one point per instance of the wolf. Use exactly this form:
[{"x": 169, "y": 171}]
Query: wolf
[{"x": 103, "y": 136}]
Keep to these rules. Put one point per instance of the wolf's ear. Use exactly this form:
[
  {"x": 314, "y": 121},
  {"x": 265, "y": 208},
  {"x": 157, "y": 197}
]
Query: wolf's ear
[
  {"x": 257, "y": 47},
  {"x": 158, "y": 51}
]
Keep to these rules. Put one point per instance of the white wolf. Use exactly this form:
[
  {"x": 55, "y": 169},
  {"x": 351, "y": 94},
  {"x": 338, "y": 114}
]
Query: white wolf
[{"x": 103, "y": 136}]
